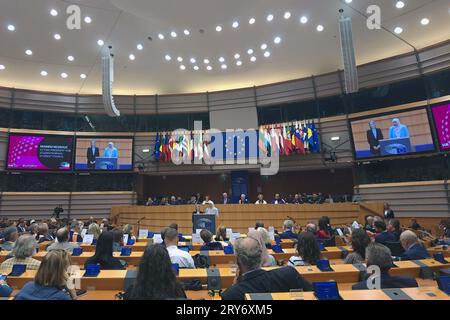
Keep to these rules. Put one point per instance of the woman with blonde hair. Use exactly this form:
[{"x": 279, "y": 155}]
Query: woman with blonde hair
[
  {"x": 128, "y": 230},
  {"x": 95, "y": 230},
  {"x": 50, "y": 282},
  {"x": 266, "y": 237},
  {"x": 266, "y": 258}
]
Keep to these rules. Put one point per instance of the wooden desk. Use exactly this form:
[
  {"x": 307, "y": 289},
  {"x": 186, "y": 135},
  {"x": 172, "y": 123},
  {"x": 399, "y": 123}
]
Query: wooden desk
[
  {"x": 437, "y": 249},
  {"x": 111, "y": 295}
]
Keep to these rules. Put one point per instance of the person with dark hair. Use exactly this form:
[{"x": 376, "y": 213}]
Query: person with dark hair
[
  {"x": 21, "y": 226},
  {"x": 156, "y": 279},
  {"x": 10, "y": 236},
  {"x": 175, "y": 226},
  {"x": 324, "y": 228},
  {"x": 104, "y": 253},
  {"x": 415, "y": 225},
  {"x": 221, "y": 234},
  {"x": 382, "y": 236},
  {"x": 388, "y": 212},
  {"x": 394, "y": 227},
  {"x": 118, "y": 240},
  {"x": 259, "y": 224},
  {"x": 308, "y": 250},
  {"x": 359, "y": 240},
  {"x": 207, "y": 238}
]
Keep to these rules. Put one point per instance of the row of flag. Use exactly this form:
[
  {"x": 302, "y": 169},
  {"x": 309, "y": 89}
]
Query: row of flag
[{"x": 286, "y": 139}]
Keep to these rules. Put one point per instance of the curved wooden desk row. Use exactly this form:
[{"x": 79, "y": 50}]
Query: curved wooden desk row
[{"x": 344, "y": 273}]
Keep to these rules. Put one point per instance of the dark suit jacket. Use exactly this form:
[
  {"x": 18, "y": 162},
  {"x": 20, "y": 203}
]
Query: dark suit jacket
[
  {"x": 261, "y": 281},
  {"x": 288, "y": 234},
  {"x": 385, "y": 237},
  {"x": 390, "y": 282},
  {"x": 374, "y": 141},
  {"x": 416, "y": 252},
  {"x": 91, "y": 156},
  {"x": 212, "y": 246}
]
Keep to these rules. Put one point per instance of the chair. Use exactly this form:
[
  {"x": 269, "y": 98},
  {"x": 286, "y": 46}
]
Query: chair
[{"x": 396, "y": 248}]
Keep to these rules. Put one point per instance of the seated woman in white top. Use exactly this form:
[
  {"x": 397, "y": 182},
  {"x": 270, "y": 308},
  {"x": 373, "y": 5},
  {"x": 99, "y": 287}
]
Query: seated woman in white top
[{"x": 308, "y": 251}]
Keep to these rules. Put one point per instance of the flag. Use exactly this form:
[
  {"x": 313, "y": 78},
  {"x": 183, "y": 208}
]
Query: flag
[
  {"x": 268, "y": 142},
  {"x": 299, "y": 143},
  {"x": 287, "y": 141},
  {"x": 316, "y": 144},
  {"x": 262, "y": 142},
  {"x": 157, "y": 146},
  {"x": 310, "y": 137}
]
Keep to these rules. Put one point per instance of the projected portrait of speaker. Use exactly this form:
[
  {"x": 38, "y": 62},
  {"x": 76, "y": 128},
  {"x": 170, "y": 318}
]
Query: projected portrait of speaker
[
  {"x": 92, "y": 154},
  {"x": 374, "y": 135}
]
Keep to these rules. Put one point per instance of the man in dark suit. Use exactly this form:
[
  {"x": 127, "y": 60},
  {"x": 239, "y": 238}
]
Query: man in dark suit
[
  {"x": 250, "y": 278},
  {"x": 91, "y": 154},
  {"x": 225, "y": 199},
  {"x": 413, "y": 249},
  {"x": 379, "y": 255},
  {"x": 383, "y": 235},
  {"x": 288, "y": 233},
  {"x": 374, "y": 135}
]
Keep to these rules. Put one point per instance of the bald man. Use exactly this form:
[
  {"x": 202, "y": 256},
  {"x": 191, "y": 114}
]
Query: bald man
[
  {"x": 62, "y": 238},
  {"x": 413, "y": 249},
  {"x": 250, "y": 278}
]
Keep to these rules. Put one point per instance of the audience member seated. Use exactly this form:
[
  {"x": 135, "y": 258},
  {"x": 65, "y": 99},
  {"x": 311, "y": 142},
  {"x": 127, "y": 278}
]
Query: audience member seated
[
  {"x": 278, "y": 199},
  {"x": 10, "y": 236},
  {"x": 206, "y": 200},
  {"x": 34, "y": 231},
  {"x": 175, "y": 226},
  {"x": 243, "y": 199},
  {"x": 43, "y": 234},
  {"x": 104, "y": 253},
  {"x": 394, "y": 227},
  {"x": 369, "y": 226},
  {"x": 324, "y": 229},
  {"x": 380, "y": 255},
  {"x": 221, "y": 234},
  {"x": 267, "y": 259},
  {"x": 62, "y": 237},
  {"x": 359, "y": 242},
  {"x": 266, "y": 237},
  {"x": 207, "y": 238},
  {"x": 21, "y": 226},
  {"x": 307, "y": 249},
  {"x": 415, "y": 225},
  {"x": 311, "y": 227},
  {"x": 95, "y": 230},
  {"x": 382, "y": 236},
  {"x": 250, "y": 278},
  {"x": 50, "y": 280},
  {"x": 261, "y": 199},
  {"x": 118, "y": 240},
  {"x": 75, "y": 232},
  {"x": 413, "y": 249},
  {"x": 259, "y": 224},
  {"x": 182, "y": 258},
  {"x": 297, "y": 199},
  {"x": 23, "y": 251},
  {"x": 225, "y": 199},
  {"x": 128, "y": 230},
  {"x": 155, "y": 279},
  {"x": 5, "y": 290},
  {"x": 197, "y": 209},
  {"x": 288, "y": 232}
]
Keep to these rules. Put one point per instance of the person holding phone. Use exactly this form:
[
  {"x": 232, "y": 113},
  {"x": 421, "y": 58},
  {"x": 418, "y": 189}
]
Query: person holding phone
[{"x": 5, "y": 290}]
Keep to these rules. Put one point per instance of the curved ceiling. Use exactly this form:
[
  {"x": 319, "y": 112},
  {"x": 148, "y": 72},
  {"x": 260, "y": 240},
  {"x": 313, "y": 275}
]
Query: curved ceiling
[{"x": 124, "y": 24}]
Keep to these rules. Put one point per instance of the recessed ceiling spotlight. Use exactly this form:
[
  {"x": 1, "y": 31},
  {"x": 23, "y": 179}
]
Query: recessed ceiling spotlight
[
  {"x": 303, "y": 19},
  {"x": 11, "y": 27},
  {"x": 399, "y": 4},
  {"x": 182, "y": 67},
  {"x": 287, "y": 15},
  {"x": 44, "y": 73},
  {"x": 70, "y": 58},
  {"x": 140, "y": 46},
  {"x": 100, "y": 42},
  {"x": 180, "y": 59},
  {"x": 53, "y": 12},
  {"x": 209, "y": 68},
  {"x": 87, "y": 19},
  {"x": 267, "y": 54},
  {"x": 161, "y": 36},
  {"x": 320, "y": 28},
  {"x": 252, "y": 21},
  {"x": 269, "y": 17},
  {"x": 237, "y": 56},
  {"x": 219, "y": 28},
  {"x": 196, "y": 68},
  {"x": 64, "y": 75},
  {"x": 239, "y": 63},
  {"x": 264, "y": 46},
  {"x": 173, "y": 34},
  {"x": 57, "y": 36},
  {"x": 277, "y": 40},
  {"x": 2, "y": 67},
  {"x": 235, "y": 24},
  {"x": 193, "y": 60},
  {"x": 83, "y": 76},
  {"x": 222, "y": 59},
  {"x": 348, "y": 1},
  {"x": 28, "y": 52},
  {"x": 250, "y": 51},
  {"x": 206, "y": 61},
  {"x": 132, "y": 57},
  {"x": 224, "y": 66},
  {"x": 167, "y": 57},
  {"x": 398, "y": 30},
  {"x": 425, "y": 21},
  {"x": 186, "y": 32},
  {"x": 253, "y": 59}
]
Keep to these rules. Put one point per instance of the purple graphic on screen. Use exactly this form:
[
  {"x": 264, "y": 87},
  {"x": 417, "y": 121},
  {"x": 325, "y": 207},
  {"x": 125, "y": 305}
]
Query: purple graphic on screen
[{"x": 441, "y": 116}]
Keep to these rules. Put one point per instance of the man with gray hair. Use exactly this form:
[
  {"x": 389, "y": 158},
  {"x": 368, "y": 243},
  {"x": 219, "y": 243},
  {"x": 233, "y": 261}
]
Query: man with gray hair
[
  {"x": 10, "y": 234},
  {"x": 288, "y": 232},
  {"x": 250, "y": 278},
  {"x": 311, "y": 227},
  {"x": 24, "y": 248},
  {"x": 62, "y": 237},
  {"x": 413, "y": 249},
  {"x": 380, "y": 256}
]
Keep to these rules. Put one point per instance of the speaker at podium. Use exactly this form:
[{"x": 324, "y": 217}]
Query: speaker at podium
[{"x": 204, "y": 221}]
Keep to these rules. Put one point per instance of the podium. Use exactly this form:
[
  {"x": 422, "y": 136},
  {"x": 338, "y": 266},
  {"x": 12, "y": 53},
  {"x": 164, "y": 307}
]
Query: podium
[
  {"x": 396, "y": 146},
  {"x": 204, "y": 221},
  {"x": 103, "y": 163}
]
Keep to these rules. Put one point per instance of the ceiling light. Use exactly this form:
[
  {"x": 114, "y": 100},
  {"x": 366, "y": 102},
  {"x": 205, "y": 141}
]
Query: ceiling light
[
  {"x": 196, "y": 68},
  {"x": 182, "y": 67},
  {"x": 237, "y": 56},
  {"x": 173, "y": 34},
  {"x": 252, "y": 20},
  {"x": 70, "y": 58},
  {"x": 64, "y": 75},
  {"x": 83, "y": 76},
  {"x": 57, "y": 36},
  {"x": 100, "y": 42},
  {"x": 267, "y": 54},
  {"x": 335, "y": 138},
  {"x": 219, "y": 28},
  {"x": 145, "y": 150},
  {"x": 2, "y": 67},
  {"x": 348, "y": 1},
  {"x": 28, "y": 52},
  {"x": 250, "y": 51},
  {"x": 253, "y": 59},
  {"x": 44, "y": 73},
  {"x": 235, "y": 24},
  {"x": 193, "y": 60},
  {"x": 221, "y": 59},
  {"x": 209, "y": 68},
  {"x": 264, "y": 46},
  {"x": 186, "y": 32},
  {"x": 87, "y": 19},
  {"x": 161, "y": 36},
  {"x": 269, "y": 17},
  {"x": 180, "y": 59},
  {"x": 398, "y": 30},
  {"x": 206, "y": 61},
  {"x": 303, "y": 20},
  {"x": 132, "y": 57},
  {"x": 11, "y": 28},
  {"x": 53, "y": 12},
  {"x": 400, "y": 5},
  {"x": 224, "y": 66},
  {"x": 239, "y": 63},
  {"x": 140, "y": 47},
  {"x": 167, "y": 57},
  {"x": 425, "y": 21},
  {"x": 320, "y": 28},
  {"x": 287, "y": 15},
  {"x": 277, "y": 40}
]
